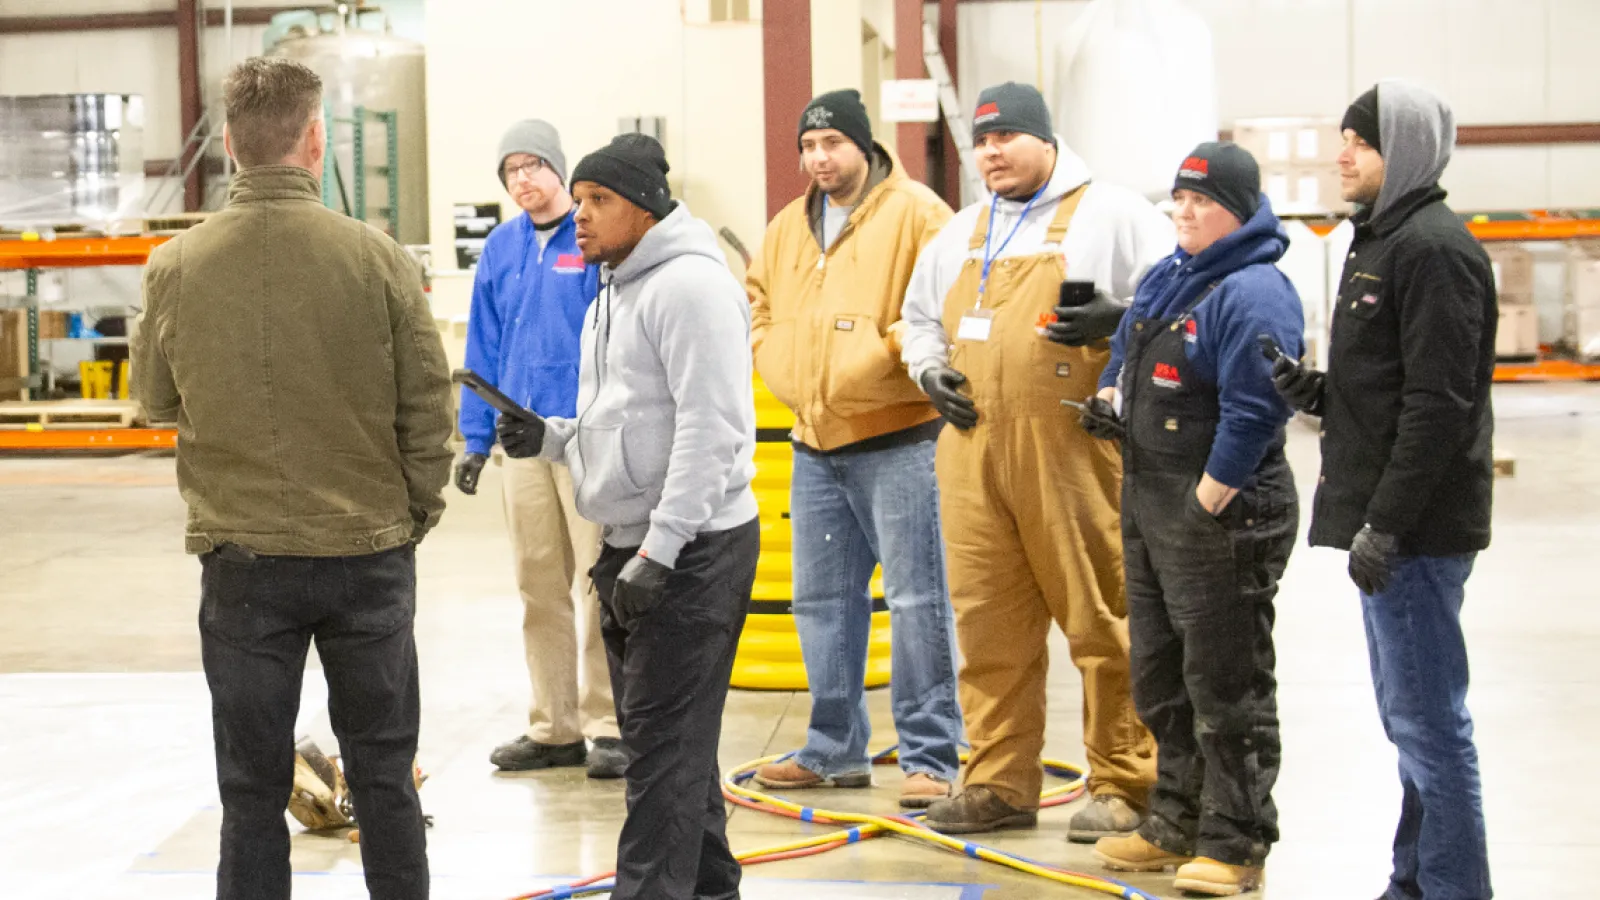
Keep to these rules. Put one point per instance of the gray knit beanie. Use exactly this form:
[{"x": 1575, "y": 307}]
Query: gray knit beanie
[{"x": 536, "y": 137}]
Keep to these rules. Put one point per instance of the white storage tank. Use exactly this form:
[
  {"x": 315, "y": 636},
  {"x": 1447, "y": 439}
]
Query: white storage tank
[{"x": 363, "y": 64}]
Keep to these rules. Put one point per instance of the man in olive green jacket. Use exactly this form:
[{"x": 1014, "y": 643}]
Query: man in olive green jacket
[{"x": 295, "y": 349}]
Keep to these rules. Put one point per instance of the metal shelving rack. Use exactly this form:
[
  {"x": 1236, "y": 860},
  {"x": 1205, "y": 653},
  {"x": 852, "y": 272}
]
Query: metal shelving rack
[{"x": 355, "y": 205}]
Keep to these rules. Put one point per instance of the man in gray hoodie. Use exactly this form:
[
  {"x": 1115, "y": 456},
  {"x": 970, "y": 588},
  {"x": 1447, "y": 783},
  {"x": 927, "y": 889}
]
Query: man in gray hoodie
[{"x": 662, "y": 454}]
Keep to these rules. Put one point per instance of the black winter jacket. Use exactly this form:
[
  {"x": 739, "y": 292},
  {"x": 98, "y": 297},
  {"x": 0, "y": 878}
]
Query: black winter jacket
[{"x": 1407, "y": 422}]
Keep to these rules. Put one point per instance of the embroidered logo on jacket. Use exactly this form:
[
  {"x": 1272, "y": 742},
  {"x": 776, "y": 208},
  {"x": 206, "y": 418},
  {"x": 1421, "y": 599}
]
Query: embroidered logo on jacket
[
  {"x": 1166, "y": 375},
  {"x": 570, "y": 264},
  {"x": 1191, "y": 331}
]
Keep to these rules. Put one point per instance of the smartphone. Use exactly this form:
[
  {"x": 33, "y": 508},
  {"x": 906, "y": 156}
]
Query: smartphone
[
  {"x": 492, "y": 395},
  {"x": 1076, "y": 293}
]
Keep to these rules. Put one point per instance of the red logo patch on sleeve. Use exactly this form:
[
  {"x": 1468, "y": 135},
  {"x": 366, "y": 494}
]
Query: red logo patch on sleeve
[{"x": 570, "y": 263}]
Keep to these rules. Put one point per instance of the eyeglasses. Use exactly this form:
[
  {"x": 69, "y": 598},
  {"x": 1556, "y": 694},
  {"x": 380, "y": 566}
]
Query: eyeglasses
[{"x": 529, "y": 168}]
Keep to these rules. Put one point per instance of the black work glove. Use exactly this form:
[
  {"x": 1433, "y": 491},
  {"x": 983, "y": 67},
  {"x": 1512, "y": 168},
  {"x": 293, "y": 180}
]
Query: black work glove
[
  {"x": 942, "y": 385},
  {"x": 1100, "y": 419},
  {"x": 1301, "y": 386},
  {"x": 1372, "y": 559},
  {"x": 638, "y": 589},
  {"x": 467, "y": 472},
  {"x": 1096, "y": 320},
  {"x": 521, "y": 438}
]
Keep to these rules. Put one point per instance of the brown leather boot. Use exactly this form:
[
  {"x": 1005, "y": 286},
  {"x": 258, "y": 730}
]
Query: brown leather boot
[
  {"x": 1217, "y": 879},
  {"x": 977, "y": 809}
]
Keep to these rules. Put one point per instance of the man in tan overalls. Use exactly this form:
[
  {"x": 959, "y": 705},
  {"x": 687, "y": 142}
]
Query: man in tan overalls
[{"x": 1006, "y": 315}]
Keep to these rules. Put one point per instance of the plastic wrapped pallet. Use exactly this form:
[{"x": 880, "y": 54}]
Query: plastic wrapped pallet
[
  {"x": 1137, "y": 90},
  {"x": 71, "y": 159}
]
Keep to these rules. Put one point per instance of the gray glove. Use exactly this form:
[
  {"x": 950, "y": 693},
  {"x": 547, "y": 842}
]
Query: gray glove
[
  {"x": 520, "y": 438},
  {"x": 1372, "y": 558},
  {"x": 638, "y": 589},
  {"x": 942, "y": 385},
  {"x": 1100, "y": 419},
  {"x": 1301, "y": 386},
  {"x": 467, "y": 472},
  {"x": 1078, "y": 326}
]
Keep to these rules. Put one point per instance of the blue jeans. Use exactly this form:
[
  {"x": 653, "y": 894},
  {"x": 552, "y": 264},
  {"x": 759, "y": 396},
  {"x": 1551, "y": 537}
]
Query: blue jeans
[
  {"x": 1419, "y": 667},
  {"x": 850, "y": 513}
]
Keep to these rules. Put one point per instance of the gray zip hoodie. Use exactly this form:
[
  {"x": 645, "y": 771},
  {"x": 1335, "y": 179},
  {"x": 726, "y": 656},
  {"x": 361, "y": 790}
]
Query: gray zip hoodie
[
  {"x": 1419, "y": 133},
  {"x": 663, "y": 447}
]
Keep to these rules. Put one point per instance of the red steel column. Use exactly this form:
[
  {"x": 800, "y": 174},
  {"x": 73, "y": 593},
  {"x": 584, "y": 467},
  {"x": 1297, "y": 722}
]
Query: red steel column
[
  {"x": 189, "y": 101},
  {"x": 786, "y": 74},
  {"x": 947, "y": 45},
  {"x": 910, "y": 137}
]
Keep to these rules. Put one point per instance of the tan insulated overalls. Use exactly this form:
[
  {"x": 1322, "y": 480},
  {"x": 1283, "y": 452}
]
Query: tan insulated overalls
[{"x": 1032, "y": 526}]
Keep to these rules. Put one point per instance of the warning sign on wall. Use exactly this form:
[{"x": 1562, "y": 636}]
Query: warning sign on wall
[{"x": 910, "y": 100}]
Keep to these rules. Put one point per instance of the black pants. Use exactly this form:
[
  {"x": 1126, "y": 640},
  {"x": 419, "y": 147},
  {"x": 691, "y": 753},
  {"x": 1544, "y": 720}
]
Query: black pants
[
  {"x": 258, "y": 616},
  {"x": 669, "y": 673},
  {"x": 1200, "y": 616}
]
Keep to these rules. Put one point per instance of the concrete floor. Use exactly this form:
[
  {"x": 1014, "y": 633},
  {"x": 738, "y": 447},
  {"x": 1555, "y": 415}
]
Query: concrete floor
[{"x": 109, "y": 786}]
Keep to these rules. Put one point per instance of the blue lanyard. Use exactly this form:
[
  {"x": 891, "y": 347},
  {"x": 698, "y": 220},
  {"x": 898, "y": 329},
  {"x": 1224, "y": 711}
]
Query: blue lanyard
[{"x": 988, "y": 237}]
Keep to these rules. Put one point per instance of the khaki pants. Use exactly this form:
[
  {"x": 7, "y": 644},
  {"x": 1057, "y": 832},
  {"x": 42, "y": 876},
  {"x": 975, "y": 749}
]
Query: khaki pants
[{"x": 554, "y": 550}]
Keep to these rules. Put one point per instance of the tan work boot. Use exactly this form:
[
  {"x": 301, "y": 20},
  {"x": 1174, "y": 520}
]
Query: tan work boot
[
  {"x": 1216, "y": 879},
  {"x": 789, "y": 775},
  {"x": 977, "y": 809},
  {"x": 1107, "y": 815},
  {"x": 920, "y": 790},
  {"x": 1135, "y": 854}
]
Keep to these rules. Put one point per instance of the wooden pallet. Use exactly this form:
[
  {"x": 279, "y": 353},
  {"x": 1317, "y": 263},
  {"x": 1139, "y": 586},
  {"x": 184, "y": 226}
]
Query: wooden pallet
[{"x": 67, "y": 414}]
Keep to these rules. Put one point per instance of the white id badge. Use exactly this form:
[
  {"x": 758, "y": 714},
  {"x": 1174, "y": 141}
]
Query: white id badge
[{"x": 975, "y": 325}]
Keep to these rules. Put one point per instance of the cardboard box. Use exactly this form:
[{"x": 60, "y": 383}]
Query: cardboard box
[
  {"x": 1303, "y": 190},
  {"x": 1582, "y": 332},
  {"x": 1290, "y": 141},
  {"x": 1518, "y": 335},
  {"x": 13, "y": 349},
  {"x": 1583, "y": 275},
  {"x": 1513, "y": 273}
]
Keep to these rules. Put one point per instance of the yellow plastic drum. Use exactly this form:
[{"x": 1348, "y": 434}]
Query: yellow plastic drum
[{"x": 769, "y": 651}]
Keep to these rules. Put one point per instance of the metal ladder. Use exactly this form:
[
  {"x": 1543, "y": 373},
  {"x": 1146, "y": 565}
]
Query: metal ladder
[{"x": 950, "y": 102}]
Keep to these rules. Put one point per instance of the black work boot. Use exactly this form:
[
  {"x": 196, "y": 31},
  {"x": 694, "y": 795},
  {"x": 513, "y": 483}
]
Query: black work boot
[
  {"x": 608, "y": 758},
  {"x": 977, "y": 809},
  {"x": 525, "y": 754}
]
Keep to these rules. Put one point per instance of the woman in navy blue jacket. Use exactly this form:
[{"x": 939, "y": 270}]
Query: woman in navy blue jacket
[{"x": 1209, "y": 515}]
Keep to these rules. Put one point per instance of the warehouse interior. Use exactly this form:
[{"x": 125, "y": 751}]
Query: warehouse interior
[{"x": 112, "y": 790}]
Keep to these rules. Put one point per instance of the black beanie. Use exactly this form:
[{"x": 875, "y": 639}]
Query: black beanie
[
  {"x": 1225, "y": 172},
  {"x": 842, "y": 111},
  {"x": 633, "y": 165},
  {"x": 1362, "y": 118},
  {"x": 1013, "y": 107}
]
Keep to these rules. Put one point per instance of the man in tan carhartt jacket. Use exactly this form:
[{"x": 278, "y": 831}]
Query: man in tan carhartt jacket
[{"x": 826, "y": 289}]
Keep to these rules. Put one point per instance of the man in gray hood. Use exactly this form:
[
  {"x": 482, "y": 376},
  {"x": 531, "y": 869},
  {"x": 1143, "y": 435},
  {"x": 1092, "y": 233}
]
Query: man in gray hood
[
  {"x": 662, "y": 454},
  {"x": 1407, "y": 468}
]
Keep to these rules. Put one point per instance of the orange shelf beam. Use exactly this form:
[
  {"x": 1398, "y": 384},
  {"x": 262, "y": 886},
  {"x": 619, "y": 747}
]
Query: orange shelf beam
[
  {"x": 39, "y": 440},
  {"x": 77, "y": 253},
  {"x": 1546, "y": 370}
]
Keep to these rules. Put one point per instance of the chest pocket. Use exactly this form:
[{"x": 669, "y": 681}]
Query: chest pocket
[{"x": 1363, "y": 296}]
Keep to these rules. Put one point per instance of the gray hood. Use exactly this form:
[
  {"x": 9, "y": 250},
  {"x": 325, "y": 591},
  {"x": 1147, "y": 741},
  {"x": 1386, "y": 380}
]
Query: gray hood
[
  {"x": 679, "y": 234},
  {"x": 1418, "y": 132}
]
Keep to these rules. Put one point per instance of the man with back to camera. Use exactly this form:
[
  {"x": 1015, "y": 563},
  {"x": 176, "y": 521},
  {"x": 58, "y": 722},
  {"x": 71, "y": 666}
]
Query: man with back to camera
[
  {"x": 1408, "y": 466},
  {"x": 529, "y": 297},
  {"x": 1029, "y": 503},
  {"x": 296, "y": 350},
  {"x": 662, "y": 454},
  {"x": 825, "y": 292}
]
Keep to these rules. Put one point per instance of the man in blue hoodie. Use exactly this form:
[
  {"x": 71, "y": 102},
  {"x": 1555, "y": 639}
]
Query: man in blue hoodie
[
  {"x": 1209, "y": 514},
  {"x": 528, "y": 302},
  {"x": 662, "y": 453}
]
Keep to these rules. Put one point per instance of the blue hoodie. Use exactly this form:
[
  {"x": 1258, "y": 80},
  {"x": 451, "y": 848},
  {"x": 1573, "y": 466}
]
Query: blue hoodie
[
  {"x": 527, "y": 318},
  {"x": 1253, "y": 298}
]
